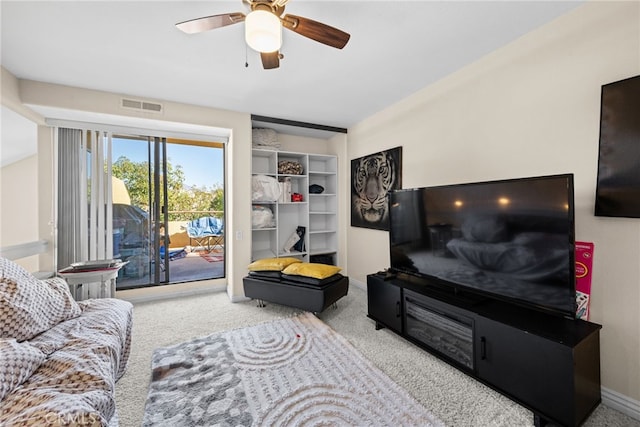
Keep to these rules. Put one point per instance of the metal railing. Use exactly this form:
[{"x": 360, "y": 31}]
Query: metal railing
[{"x": 183, "y": 215}]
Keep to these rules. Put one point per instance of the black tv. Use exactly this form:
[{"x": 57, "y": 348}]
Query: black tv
[
  {"x": 618, "y": 183},
  {"x": 511, "y": 239}
]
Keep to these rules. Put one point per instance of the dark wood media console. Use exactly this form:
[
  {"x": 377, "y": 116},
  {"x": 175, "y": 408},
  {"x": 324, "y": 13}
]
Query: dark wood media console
[{"x": 549, "y": 364}]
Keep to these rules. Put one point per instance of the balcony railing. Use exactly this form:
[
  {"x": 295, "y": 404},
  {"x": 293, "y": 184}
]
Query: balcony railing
[{"x": 188, "y": 215}]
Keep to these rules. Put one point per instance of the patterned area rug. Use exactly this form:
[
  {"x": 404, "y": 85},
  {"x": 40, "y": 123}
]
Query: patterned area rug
[
  {"x": 212, "y": 257},
  {"x": 290, "y": 372}
]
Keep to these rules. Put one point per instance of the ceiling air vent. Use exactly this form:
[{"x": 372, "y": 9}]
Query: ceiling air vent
[{"x": 135, "y": 104}]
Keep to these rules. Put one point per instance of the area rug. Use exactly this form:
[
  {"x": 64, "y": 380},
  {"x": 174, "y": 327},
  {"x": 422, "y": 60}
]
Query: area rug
[
  {"x": 290, "y": 372},
  {"x": 212, "y": 257}
]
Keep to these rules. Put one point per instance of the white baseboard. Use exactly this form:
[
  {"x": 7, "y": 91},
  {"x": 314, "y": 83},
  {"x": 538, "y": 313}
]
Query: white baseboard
[
  {"x": 620, "y": 402},
  {"x": 239, "y": 298},
  {"x": 149, "y": 297},
  {"x": 358, "y": 284},
  {"x": 24, "y": 250}
]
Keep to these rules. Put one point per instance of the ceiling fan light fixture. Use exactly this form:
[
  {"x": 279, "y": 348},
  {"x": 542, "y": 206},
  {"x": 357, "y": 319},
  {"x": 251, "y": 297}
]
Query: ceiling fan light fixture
[{"x": 263, "y": 31}]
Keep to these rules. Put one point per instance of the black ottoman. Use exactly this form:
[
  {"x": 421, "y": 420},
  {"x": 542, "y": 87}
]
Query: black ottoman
[{"x": 303, "y": 295}]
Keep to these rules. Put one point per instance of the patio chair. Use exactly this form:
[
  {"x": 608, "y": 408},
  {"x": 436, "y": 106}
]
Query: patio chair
[{"x": 207, "y": 232}]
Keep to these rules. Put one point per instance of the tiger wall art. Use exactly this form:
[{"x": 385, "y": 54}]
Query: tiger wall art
[{"x": 372, "y": 177}]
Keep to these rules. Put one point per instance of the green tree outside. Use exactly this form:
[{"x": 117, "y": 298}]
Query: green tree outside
[{"x": 180, "y": 197}]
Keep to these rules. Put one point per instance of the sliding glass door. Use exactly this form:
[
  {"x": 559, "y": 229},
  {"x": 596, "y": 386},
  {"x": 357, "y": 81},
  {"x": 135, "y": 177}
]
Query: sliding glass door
[{"x": 168, "y": 210}]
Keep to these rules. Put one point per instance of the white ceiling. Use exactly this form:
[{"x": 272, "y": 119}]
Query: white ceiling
[{"x": 133, "y": 48}]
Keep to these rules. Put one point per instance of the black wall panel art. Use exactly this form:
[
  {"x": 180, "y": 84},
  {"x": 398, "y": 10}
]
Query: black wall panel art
[{"x": 618, "y": 187}]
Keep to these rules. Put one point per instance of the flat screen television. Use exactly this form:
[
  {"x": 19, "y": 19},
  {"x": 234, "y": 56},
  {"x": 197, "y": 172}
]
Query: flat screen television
[
  {"x": 618, "y": 184},
  {"x": 510, "y": 239}
]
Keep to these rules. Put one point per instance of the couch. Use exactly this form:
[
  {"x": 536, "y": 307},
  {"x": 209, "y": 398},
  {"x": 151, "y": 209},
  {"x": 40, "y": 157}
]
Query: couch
[{"x": 60, "y": 358}]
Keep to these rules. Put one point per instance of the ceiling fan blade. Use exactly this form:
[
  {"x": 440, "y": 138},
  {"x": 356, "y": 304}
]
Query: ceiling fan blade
[
  {"x": 210, "y": 22},
  {"x": 270, "y": 60},
  {"x": 317, "y": 31}
]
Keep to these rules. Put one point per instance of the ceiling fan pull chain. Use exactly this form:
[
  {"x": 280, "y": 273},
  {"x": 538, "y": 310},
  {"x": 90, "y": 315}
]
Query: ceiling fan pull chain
[{"x": 246, "y": 59}]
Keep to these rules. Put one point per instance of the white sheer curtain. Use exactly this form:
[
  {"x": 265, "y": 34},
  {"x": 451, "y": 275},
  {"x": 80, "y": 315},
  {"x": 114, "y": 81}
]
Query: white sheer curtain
[{"x": 84, "y": 214}]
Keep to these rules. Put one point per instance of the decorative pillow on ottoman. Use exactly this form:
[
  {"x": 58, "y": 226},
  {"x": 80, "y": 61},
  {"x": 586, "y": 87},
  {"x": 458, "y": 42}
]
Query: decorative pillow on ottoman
[
  {"x": 29, "y": 306},
  {"x": 19, "y": 361},
  {"x": 311, "y": 269},
  {"x": 272, "y": 264}
]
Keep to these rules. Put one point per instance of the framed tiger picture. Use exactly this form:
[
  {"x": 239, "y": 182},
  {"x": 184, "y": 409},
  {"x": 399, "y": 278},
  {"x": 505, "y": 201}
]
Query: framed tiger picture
[{"x": 372, "y": 178}]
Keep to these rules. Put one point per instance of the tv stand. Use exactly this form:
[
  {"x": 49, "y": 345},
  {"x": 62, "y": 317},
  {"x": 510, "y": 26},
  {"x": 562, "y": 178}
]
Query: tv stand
[{"x": 546, "y": 363}]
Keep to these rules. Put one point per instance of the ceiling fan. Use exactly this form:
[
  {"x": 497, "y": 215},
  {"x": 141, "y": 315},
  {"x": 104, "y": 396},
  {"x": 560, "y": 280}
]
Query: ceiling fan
[{"x": 263, "y": 28}]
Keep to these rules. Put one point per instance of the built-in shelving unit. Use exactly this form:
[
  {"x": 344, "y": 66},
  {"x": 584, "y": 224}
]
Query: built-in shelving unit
[
  {"x": 323, "y": 207},
  {"x": 316, "y": 212}
]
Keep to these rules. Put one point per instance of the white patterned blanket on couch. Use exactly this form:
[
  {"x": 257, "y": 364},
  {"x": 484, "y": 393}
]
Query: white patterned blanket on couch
[{"x": 60, "y": 358}]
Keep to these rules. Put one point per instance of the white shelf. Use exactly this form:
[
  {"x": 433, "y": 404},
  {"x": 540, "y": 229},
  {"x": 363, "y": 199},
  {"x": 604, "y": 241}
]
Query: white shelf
[
  {"x": 292, "y": 254},
  {"x": 286, "y": 175},
  {"x": 322, "y": 251},
  {"x": 317, "y": 212}
]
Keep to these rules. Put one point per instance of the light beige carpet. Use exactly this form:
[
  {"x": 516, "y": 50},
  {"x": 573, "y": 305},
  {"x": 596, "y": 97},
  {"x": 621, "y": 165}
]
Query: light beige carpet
[{"x": 449, "y": 394}]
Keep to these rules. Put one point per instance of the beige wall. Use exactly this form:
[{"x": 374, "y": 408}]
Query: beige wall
[
  {"x": 303, "y": 144},
  {"x": 338, "y": 146},
  {"x": 531, "y": 108},
  {"x": 19, "y": 206},
  {"x": 104, "y": 107},
  {"x": 13, "y": 198},
  {"x": 11, "y": 96},
  {"x": 65, "y": 102}
]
